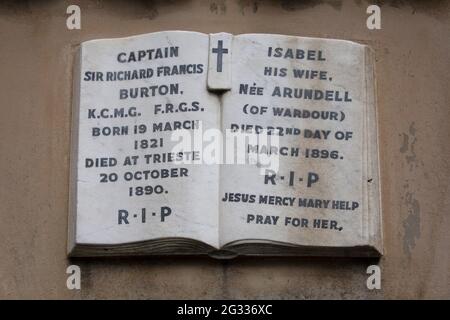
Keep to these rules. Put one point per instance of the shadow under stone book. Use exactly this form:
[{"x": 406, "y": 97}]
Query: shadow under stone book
[{"x": 186, "y": 143}]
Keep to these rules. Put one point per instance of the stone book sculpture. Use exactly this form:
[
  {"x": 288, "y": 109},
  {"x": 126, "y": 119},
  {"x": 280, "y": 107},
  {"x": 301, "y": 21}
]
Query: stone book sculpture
[{"x": 186, "y": 143}]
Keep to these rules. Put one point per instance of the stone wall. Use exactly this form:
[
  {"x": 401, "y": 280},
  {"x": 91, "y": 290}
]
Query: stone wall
[{"x": 413, "y": 72}]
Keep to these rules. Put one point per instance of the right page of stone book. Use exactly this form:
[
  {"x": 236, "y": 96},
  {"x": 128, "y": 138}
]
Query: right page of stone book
[{"x": 311, "y": 95}]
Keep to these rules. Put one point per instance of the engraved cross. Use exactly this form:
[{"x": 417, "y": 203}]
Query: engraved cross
[{"x": 220, "y": 50}]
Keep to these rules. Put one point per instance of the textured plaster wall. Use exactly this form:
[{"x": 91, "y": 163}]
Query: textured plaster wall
[{"x": 413, "y": 66}]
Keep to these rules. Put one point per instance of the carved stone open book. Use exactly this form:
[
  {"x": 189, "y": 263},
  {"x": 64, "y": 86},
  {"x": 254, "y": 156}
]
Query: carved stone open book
[{"x": 156, "y": 169}]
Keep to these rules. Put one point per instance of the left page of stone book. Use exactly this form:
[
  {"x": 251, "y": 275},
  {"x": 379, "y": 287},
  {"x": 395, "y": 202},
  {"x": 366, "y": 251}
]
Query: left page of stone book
[{"x": 135, "y": 101}]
